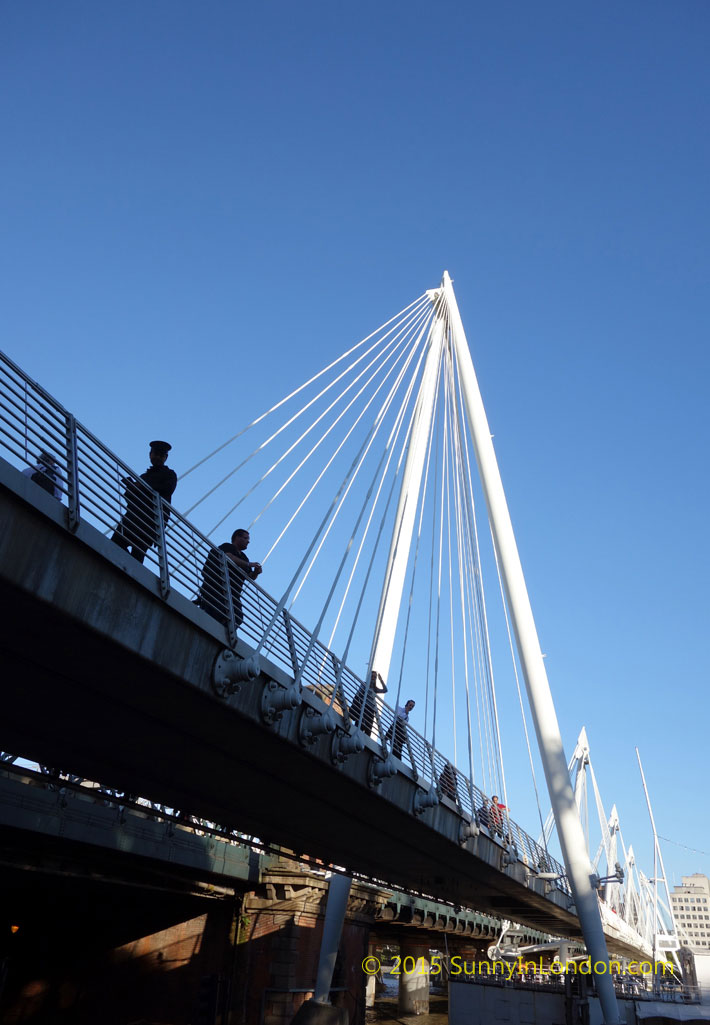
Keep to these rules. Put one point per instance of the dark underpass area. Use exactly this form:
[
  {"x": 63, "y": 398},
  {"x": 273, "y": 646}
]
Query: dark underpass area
[{"x": 80, "y": 947}]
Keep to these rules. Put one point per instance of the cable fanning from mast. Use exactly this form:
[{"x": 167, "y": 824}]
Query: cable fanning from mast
[{"x": 420, "y": 301}]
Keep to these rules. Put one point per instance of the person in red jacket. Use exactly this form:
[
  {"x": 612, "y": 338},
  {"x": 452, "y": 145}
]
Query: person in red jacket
[{"x": 496, "y": 816}]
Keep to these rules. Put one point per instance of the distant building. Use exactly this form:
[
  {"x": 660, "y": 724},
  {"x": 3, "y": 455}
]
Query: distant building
[{"x": 691, "y": 910}]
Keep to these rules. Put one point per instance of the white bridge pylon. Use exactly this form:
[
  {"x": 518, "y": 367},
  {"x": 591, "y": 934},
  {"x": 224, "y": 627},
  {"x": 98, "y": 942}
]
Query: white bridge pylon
[
  {"x": 447, "y": 331},
  {"x": 420, "y": 358}
]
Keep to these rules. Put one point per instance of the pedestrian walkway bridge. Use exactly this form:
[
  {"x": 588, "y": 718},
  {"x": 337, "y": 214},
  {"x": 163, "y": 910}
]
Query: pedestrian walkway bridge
[{"x": 113, "y": 673}]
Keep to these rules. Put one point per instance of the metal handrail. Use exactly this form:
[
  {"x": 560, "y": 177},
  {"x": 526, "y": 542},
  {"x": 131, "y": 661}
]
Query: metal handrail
[{"x": 102, "y": 490}]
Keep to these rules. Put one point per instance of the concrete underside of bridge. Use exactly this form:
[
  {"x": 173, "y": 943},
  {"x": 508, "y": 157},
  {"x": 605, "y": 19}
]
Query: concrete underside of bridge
[
  {"x": 90, "y": 949},
  {"x": 107, "y": 679},
  {"x": 121, "y": 911},
  {"x": 92, "y": 934}
]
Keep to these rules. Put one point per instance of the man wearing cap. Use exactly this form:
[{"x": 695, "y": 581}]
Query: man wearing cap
[{"x": 138, "y": 529}]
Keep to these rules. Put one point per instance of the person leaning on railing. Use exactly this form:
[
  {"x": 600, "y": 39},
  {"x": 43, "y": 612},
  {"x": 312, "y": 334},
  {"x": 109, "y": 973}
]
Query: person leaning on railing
[
  {"x": 213, "y": 595},
  {"x": 138, "y": 529},
  {"x": 496, "y": 816},
  {"x": 397, "y": 732}
]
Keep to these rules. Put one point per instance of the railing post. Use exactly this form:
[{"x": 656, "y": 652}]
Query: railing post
[
  {"x": 72, "y": 473},
  {"x": 412, "y": 759},
  {"x": 162, "y": 549},
  {"x": 231, "y": 628}
]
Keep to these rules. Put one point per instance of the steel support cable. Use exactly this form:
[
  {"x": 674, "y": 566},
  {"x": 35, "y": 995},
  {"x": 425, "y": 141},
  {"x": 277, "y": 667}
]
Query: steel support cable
[
  {"x": 391, "y": 447},
  {"x": 432, "y": 549},
  {"x": 383, "y": 356},
  {"x": 380, "y": 417},
  {"x": 521, "y": 704},
  {"x": 466, "y": 564},
  {"x": 474, "y": 564},
  {"x": 487, "y": 648},
  {"x": 483, "y": 713},
  {"x": 473, "y": 639},
  {"x": 406, "y": 354},
  {"x": 444, "y": 483},
  {"x": 490, "y": 681},
  {"x": 283, "y": 427},
  {"x": 517, "y": 678},
  {"x": 477, "y": 674},
  {"x": 363, "y": 590},
  {"x": 466, "y": 599},
  {"x": 469, "y": 599},
  {"x": 494, "y": 702},
  {"x": 483, "y": 703},
  {"x": 449, "y": 490},
  {"x": 423, "y": 492},
  {"x": 390, "y": 441},
  {"x": 338, "y": 449},
  {"x": 604, "y": 827},
  {"x": 281, "y": 604},
  {"x": 367, "y": 528},
  {"x": 421, "y": 301},
  {"x": 371, "y": 564},
  {"x": 394, "y": 548}
]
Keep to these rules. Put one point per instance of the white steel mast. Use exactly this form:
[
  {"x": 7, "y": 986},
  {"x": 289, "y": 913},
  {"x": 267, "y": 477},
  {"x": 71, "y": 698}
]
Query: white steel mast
[{"x": 569, "y": 827}]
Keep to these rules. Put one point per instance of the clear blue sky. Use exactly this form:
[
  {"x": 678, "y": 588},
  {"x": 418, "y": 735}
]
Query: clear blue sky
[{"x": 203, "y": 203}]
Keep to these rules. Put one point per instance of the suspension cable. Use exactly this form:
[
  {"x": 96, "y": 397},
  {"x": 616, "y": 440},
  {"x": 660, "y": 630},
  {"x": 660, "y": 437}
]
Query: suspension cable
[
  {"x": 284, "y": 598},
  {"x": 420, "y": 301},
  {"x": 383, "y": 361},
  {"x": 380, "y": 418},
  {"x": 288, "y": 423},
  {"x": 423, "y": 492},
  {"x": 391, "y": 440}
]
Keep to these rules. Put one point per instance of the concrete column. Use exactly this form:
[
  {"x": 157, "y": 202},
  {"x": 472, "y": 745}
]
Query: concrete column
[
  {"x": 370, "y": 990},
  {"x": 414, "y": 980}
]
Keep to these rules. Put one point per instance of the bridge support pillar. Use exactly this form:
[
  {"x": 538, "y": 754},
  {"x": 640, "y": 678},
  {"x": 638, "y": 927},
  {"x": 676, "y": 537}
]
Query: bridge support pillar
[
  {"x": 414, "y": 980},
  {"x": 370, "y": 986},
  {"x": 318, "y": 1011}
]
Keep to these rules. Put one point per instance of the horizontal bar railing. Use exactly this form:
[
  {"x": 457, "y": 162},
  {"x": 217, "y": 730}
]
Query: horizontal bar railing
[{"x": 33, "y": 423}]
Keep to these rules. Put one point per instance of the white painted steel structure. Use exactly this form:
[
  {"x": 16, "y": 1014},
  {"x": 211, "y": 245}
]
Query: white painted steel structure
[
  {"x": 569, "y": 828},
  {"x": 448, "y": 329}
]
